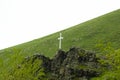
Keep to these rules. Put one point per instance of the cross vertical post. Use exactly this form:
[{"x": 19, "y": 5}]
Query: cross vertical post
[{"x": 60, "y": 40}]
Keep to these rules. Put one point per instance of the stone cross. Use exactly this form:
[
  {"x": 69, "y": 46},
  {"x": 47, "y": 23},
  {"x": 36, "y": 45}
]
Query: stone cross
[{"x": 60, "y": 40}]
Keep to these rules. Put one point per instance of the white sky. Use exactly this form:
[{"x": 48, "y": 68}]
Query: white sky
[{"x": 25, "y": 20}]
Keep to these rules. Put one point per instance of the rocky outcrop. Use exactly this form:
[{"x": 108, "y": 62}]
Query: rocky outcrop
[{"x": 75, "y": 64}]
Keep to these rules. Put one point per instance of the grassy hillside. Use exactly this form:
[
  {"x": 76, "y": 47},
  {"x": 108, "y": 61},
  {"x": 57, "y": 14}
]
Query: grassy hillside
[{"x": 103, "y": 29}]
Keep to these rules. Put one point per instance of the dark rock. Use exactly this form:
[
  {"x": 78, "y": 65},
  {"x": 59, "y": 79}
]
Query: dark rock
[
  {"x": 67, "y": 66},
  {"x": 73, "y": 64},
  {"x": 57, "y": 61}
]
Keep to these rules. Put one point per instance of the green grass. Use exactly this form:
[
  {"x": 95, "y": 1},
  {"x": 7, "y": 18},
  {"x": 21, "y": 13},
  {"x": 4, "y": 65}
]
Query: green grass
[{"x": 86, "y": 35}]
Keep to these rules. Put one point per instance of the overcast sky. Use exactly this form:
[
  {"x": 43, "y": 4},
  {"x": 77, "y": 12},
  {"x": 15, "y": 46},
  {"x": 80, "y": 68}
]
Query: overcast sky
[{"x": 25, "y": 20}]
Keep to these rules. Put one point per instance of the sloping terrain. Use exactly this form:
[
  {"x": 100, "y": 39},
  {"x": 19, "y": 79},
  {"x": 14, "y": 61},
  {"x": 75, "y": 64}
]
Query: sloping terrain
[{"x": 87, "y": 35}]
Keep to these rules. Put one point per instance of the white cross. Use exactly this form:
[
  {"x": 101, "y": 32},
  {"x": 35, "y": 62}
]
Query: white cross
[{"x": 60, "y": 40}]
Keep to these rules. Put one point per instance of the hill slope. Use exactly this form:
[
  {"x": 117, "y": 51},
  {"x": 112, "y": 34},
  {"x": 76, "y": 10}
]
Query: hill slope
[{"x": 105, "y": 28}]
